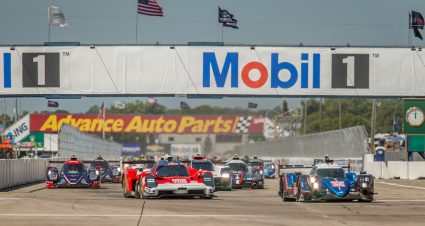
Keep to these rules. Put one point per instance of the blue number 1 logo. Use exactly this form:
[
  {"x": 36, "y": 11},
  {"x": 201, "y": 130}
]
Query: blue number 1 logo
[{"x": 7, "y": 71}]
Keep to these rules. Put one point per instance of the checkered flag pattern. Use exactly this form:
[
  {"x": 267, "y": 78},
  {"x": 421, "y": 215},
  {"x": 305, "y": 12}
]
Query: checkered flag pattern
[{"x": 243, "y": 124}]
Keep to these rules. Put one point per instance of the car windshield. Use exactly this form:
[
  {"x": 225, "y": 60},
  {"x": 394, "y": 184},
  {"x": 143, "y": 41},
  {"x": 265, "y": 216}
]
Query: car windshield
[
  {"x": 102, "y": 164},
  {"x": 170, "y": 171},
  {"x": 203, "y": 165},
  {"x": 334, "y": 173},
  {"x": 149, "y": 165},
  {"x": 237, "y": 166},
  {"x": 73, "y": 167},
  {"x": 255, "y": 164}
]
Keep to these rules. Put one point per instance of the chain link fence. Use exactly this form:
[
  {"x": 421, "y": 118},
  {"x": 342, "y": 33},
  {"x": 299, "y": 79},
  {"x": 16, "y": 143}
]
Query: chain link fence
[
  {"x": 85, "y": 146},
  {"x": 349, "y": 143}
]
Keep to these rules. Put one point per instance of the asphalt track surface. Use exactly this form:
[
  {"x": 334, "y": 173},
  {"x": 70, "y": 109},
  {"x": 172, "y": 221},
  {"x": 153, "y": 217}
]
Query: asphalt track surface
[{"x": 398, "y": 202}]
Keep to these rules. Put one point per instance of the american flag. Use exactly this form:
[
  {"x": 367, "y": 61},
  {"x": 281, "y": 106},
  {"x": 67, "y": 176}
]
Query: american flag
[
  {"x": 149, "y": 7},
  {"x": 101, "y": 111}
]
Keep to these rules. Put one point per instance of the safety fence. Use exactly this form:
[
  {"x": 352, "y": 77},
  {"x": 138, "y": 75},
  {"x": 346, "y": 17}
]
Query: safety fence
[
  {"x": 15, "y": 172},
  {"x": 85, "y": 146},
  {"x": 343, "y": 144}
]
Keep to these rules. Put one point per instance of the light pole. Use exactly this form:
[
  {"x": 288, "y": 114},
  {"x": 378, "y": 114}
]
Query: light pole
[{"x": 372, "y": 126}]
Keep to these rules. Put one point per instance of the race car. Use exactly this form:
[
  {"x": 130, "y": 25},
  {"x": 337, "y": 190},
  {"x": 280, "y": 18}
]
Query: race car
[
  {"x": 326, "y": 181},
  {"x": 269, "y": 170},
  {"x": 170, "y": 177},
  {"x": 222, "y": 177},
  {"x": 239, "y": 172},
  {"x": 131, "y": 171},
  {"x": 255, "y": 174},
  {"x": 73, "y": 173},
  {"x": 108, "y": 173}
]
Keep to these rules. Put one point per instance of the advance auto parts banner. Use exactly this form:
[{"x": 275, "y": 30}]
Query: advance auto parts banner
[
  {"x": 171, "y": 124},
  {"x": 206, "y": 70}
]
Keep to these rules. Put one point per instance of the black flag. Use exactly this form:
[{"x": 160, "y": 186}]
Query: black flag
[
  {"x": 252, "y": 105},
  {"x": 227, "y": 19},
  {"x": 417, "y": 23},
  {"x": 184, "y": 105},
  {"x": 52, "y": 104}
]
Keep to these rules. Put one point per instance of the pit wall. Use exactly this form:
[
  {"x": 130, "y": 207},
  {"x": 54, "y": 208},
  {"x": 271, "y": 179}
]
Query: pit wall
[
  {"x": 16, "y": 172},
  {"x": 395, "y": 169}
]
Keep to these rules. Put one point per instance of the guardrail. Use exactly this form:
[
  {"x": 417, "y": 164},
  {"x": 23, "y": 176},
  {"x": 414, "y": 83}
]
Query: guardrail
[{"x": 15, "y": 172}]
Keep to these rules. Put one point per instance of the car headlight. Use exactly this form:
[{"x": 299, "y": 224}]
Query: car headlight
[
  {"x": 225, "y": 175},
  {"x": 261, "y": 172},
  {"x": 53, "y": 175},
  {"x": 93, "y": 175},
  {"x": 316, "y": 186},
  {"x": 312, "y": 180},
  {"x": 364, "y": 185}
]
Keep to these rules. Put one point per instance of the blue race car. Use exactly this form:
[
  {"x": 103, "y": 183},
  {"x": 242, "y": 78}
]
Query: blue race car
[
  {"x": 108, "y": 173},
  {"x": 269, "y": 170},
  {"x": 326, "y": 181},
  {"x": 239, "y": 171},
  {"x": 72, "y": 174},
  {"x": 255, "y": 174}
]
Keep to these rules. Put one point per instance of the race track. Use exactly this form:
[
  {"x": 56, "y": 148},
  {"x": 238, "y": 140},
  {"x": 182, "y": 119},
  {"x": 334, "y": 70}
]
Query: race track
[{"x": 398, "y": 203}]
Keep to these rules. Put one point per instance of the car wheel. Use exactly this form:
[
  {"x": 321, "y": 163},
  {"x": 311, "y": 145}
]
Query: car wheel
[
  {"x": 137, "y": 191},
  {"x": 126, "y": 193}
]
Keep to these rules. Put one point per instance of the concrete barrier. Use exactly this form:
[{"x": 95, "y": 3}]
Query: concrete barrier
[
  {"x": 15, "y": 172},
  {"x": 396, "y": 169}
]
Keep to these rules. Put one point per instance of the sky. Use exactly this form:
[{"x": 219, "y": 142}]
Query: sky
[{"x": 266, "y": 22}]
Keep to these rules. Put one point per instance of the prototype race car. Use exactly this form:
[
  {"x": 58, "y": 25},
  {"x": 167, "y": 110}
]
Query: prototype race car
[
  {"x": 239, "y": 173},
  {"x": 269, "y": 170},
  {"x": 172, "y": 178},
  {"x": 131, "y": 171},
  {"x": 72, "y": 174},
  {"x": 255, "y": 174},
  {"x": 108, "y": 173},
  {"x": 326, "y": 181}
]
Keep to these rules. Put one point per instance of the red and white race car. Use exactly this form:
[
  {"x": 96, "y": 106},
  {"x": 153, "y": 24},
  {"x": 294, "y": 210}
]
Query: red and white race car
[{"x": 172, "y": 178}]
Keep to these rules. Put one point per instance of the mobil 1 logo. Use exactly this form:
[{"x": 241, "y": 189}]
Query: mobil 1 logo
[
  {"x": 350, "y": 71},
  {"x": 40, "y": 70}
]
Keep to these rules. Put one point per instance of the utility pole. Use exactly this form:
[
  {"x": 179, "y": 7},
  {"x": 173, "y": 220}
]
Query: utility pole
[
  {"x": 320, "y": 110},
  {"x": 372, "y": 127},
  {"x": 340, "y": 115},
  {"x": 305, "y": 116}
]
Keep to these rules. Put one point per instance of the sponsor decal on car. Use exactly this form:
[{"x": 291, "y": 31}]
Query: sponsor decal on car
[
  {"x": 338, "y": 184},
  {"x": 179, "y": 181}
]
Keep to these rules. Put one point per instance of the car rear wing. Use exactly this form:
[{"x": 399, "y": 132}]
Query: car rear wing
[{"x": 282, "y": 167}]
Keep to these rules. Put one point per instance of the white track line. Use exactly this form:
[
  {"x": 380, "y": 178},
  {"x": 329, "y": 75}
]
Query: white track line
[
  {"x": 400, "y": 200},
  {"x": 400, "y": 185},
  {"x": 126, "y": 215}
]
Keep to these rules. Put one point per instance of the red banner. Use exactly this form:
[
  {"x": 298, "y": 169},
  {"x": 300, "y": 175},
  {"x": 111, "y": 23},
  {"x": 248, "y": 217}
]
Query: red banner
[{"x": 171, "y": 124}]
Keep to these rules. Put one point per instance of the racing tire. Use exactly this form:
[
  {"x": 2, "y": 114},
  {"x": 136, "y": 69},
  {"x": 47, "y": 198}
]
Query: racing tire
[
  {"x": 206, "y": 197},
  {"x": 126, "y": 193},
  {"x": 261, "y": 185},
  {"x": 137, "y": 191}
]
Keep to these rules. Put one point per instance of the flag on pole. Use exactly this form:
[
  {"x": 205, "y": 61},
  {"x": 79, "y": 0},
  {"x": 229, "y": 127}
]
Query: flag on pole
[
  {"x": 119, "y": 104},
  {"x": 252, "y": 105},
  {"x": 52, "y": 104},
  {"x": 56, "y": 17},
  {"x": 101, "y": 111},
  {"x": 149, "y": 7},
  {"x": 152, "y": 100},
  {"x": 417, "y": 23},
  {"x": 184, "y": 105},
  {"x": 227, "y": 19}
]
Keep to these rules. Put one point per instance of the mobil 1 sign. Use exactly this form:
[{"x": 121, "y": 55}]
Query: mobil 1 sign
[
  {"x": 40, "y": 70},
  {"x": 212, "y": 70}
]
